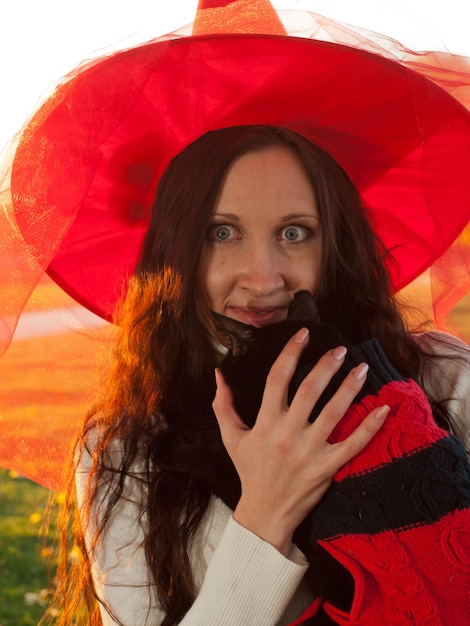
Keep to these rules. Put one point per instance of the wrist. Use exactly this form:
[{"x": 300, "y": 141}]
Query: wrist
[{"x": 267, "y": 528}]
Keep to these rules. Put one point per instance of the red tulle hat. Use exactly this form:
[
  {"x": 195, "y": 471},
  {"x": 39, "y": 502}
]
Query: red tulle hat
[{"x": 88, "y": 163}]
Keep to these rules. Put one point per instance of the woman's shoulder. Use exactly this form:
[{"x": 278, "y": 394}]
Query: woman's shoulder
[
  {"x": 441, "y": 344},
  {"x": 446, "y": 375},
  {"x": 446, "y": 368}
]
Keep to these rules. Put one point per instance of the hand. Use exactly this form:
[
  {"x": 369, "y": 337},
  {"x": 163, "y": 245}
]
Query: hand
[{"x": 284, "y": 462}]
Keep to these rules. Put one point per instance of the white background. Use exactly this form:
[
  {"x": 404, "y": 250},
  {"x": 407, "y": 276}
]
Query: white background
[{"x": 41, "y": 40}]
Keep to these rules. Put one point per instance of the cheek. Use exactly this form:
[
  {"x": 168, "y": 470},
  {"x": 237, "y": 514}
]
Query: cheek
[
  {"x": 213, "y": 276},
  {"x": 309, "y": 279},
  {"x": 309, "y": 270}
]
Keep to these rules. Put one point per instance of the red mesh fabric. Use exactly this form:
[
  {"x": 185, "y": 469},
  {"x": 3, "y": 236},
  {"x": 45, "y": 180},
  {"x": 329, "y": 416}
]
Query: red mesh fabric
[
  {"x": 401, "y": 139},
  {"x": 237, "y": 16},
  {"x": 39, "y": 231},
  {"x": 48, "y": 219},
  {"x": 450, "y": 278}
]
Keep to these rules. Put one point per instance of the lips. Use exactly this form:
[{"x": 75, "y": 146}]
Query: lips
[{"x": 254, "y": 316}]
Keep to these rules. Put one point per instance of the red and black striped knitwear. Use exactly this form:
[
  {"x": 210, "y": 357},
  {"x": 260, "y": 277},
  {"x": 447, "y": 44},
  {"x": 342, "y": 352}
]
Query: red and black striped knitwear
[{"x": 397, "y": 516}]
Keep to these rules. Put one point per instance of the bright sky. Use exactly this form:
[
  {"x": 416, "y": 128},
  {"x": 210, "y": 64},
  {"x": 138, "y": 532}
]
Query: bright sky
[{"x": 41, "y": 40}]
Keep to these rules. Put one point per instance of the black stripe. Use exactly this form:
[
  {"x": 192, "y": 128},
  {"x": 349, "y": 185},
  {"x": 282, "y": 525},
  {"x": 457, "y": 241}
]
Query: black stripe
[
  {"x": 381, "y": 372},
  {"x": 417, "y": 489}
]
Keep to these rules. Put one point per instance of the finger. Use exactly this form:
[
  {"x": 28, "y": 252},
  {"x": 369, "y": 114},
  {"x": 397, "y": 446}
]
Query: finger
[
  {"x": 315, "y": 383},
  {"x": 350, "y": 447},
  {"x": 280, "y": 374},
  {"x": 231, "y": 425},
  {"x": 336, "y": 407}
]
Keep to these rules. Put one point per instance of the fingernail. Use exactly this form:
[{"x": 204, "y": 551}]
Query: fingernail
[
  {"x": 382, "y": 413},
  {"x": 217, "y": 375},
  {"x": 301, "y": 335},
  {"x": 360, "y": 372},
  {"x": 339, "y": 353}
]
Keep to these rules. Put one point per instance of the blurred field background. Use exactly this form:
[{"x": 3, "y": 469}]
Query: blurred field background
[{"x": 46, "y": 385}]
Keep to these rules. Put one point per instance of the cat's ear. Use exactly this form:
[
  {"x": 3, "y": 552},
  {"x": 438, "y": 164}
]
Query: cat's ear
[
  {"x": 303, "y": 308},
  {"x": 237, "y": 334}
]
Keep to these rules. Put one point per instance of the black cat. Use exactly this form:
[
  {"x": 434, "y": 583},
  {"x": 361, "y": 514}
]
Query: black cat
[
  {"x": 253, "y": 351},
  {"x": 196, "y": 449},
  {"x": 245, "y": 368}
]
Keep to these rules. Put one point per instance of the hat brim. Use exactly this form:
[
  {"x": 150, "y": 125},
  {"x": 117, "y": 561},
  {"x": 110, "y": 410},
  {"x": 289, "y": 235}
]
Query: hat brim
[{"x": 92, "y": 156}]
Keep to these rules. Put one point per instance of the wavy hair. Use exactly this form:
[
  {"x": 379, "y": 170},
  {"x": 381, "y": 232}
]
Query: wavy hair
[{"x": 163, "y": 359}]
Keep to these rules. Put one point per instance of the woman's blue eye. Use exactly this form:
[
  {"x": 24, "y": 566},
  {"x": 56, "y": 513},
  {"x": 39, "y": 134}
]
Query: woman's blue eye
[
  {"x": 291, "y": 233},
  {"x": 294, "y": 233},
  {"x": 221, "y": 232}
]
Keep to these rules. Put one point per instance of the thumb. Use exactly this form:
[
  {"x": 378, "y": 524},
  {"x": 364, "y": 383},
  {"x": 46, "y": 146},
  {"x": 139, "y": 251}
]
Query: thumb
[{"x": 232, "y": 427}]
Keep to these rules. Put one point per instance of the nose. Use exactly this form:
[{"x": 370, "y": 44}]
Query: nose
[{"x": 260, "y": 270}]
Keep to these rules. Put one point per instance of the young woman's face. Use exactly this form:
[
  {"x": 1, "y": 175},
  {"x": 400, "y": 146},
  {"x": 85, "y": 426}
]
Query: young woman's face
[{"x": 264, "y": 238}]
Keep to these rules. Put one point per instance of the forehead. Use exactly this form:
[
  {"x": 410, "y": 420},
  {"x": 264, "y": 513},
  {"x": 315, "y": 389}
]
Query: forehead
[{"x": 272, "y": 172}]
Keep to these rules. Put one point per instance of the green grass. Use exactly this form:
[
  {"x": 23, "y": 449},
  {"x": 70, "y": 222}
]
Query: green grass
[{"x": 24, "y": 584}]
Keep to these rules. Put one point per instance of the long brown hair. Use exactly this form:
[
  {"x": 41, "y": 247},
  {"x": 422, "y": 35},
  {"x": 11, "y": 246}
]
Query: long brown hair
[{"x": 164, "y": 353}]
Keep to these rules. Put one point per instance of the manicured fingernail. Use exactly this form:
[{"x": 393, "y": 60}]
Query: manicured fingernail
[
  {"x": 360, "y": 372},
  {"x": 339, "y": 353},
  {"x": 382, "y": 413},
  {"x": 301, "y": 335}
]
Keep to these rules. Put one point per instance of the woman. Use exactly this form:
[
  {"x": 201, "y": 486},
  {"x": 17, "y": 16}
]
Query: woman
[
  {"x": 262, "y": 215},
  {"x": 158, "y": 546}
]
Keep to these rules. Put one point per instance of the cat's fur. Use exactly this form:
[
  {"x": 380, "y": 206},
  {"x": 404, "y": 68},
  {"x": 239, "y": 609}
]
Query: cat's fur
[
  {"x": 253, "y": 351},
  {"x": 195, "y": 447}
]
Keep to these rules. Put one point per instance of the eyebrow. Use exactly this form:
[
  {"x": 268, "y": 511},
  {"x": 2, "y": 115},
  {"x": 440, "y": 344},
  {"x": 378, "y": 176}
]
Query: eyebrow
[
  {"x": 229, "y": 216},
  {"x": 286, "y": 218},
  {"x": 296, "y": 216}
]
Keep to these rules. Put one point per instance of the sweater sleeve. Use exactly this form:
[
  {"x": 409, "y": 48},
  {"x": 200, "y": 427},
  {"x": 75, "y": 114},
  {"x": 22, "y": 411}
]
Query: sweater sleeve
[
  {"x": 241, "y": 578},
  {"x": 247, "y": 581}
]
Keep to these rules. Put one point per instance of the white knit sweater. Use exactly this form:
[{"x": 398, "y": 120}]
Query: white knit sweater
[{"x": 241, "y": 579}]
